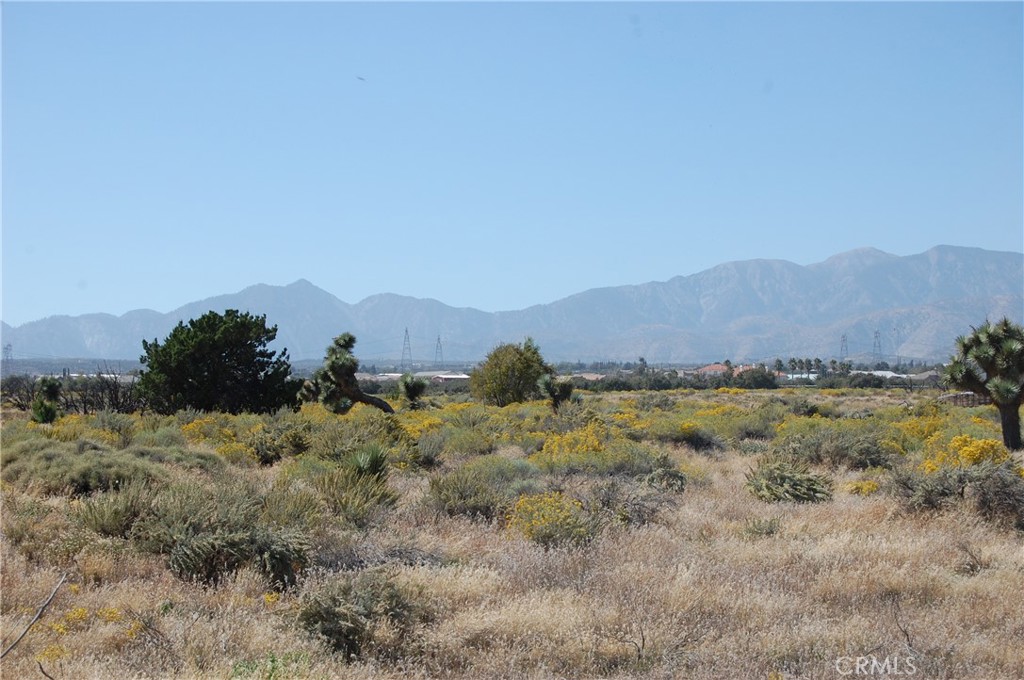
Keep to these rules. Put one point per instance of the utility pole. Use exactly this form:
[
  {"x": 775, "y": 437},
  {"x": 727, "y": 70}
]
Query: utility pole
[
  {"x": 406, "y": 351},
  {"x": 438, "y": 354}
]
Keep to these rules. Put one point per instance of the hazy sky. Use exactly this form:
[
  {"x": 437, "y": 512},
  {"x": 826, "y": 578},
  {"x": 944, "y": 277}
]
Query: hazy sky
[{"x": 490, "y": 155}]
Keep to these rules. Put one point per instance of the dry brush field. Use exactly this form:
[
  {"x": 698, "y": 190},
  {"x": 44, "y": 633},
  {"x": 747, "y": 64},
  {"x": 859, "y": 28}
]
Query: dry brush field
[{"x": 730, "y": 534}]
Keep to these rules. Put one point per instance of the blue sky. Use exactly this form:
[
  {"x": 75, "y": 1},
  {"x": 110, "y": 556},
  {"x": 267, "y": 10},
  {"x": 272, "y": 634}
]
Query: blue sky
[{"x": 490, "y": 155}]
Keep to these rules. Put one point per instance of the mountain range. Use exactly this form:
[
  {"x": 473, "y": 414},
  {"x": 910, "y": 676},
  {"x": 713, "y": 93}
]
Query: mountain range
[{"x": 861, "y": 303}]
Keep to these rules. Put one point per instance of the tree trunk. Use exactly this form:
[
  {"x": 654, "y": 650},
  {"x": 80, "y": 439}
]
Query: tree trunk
[
  {"x": 1009, "y": 417},
  {"x": 386, "y": 407}
]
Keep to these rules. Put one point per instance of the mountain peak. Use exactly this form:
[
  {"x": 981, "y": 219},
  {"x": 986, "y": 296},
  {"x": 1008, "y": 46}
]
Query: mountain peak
[{"x": 755, "y": 310}]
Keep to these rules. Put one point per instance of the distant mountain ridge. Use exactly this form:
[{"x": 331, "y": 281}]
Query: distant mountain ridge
[{"x": 744, "y": 310}]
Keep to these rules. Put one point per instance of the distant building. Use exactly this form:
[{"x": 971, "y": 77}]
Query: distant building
[{"x": 713, "y": 370}]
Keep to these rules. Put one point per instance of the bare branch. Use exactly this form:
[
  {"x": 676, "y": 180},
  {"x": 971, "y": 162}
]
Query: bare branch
[{"x": 39, "y": 613}]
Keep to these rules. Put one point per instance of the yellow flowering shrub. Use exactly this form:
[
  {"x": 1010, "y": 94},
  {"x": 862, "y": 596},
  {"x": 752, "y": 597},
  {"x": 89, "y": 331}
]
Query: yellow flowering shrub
[
  {"x": 418, "y": 423},
  {"x": 919, "y": 429},
  {"x": 585, "y": 440},
  {"x": 237, "y": 452},
  {"x": 109, "y": 614},
  {"x": 200, "y": 430},
  {"x": 550, "y": 519},
  {"x": 962, "y": 451},
  {"x": 718, "y": 410},
  {"x": 52, "y": 653},
  {"x": 862, "y": 487}
]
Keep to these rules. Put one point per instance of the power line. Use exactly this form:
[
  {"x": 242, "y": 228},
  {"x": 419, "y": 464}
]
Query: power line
[{"x": 406, "y": 350}]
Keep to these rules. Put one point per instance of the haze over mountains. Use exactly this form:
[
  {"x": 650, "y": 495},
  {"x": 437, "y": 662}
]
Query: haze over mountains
[{"x": 906, "y": 307}]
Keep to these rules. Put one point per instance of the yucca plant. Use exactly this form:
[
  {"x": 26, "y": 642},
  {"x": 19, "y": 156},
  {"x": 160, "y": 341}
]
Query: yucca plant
[
  {"x": 355, "y": 497},
  {"x": 778, "y": 479},
  {"x": 371, "y": 460}
]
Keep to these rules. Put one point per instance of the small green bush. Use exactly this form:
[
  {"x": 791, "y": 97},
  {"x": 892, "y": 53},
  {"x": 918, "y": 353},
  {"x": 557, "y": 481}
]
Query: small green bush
[
  {"x": 997, "y": 492},
  {"x": 356, "y": 498},
  {"x": 667, "y": 479},
  {"x": 120, "y": 424},
  {"x": 928, "y": 491},
  {"x": 79, "y": 468},
  {"x": 698, "y": 438},
  {"x": 761, "y": 527},
  {"x": 468, "y": 441},
  {"x": 114, "y": 513},
  {"x": 993, "y": 490},
  {"x": 776, "y": 479},
  {"x": 209, "y": 532},
  {"x": 483, "y": 488},
  {"x": 351, "y": 611}
]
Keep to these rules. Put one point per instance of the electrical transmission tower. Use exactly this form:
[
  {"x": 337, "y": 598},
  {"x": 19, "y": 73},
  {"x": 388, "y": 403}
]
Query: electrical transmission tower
[
  {"x": 876, "y": 349},
  {"x": 406, "y": 351},
  {"x": 8, "y": 352},
  {"x": 844, "y": 349},
  {"x": 438, "y": 354}
]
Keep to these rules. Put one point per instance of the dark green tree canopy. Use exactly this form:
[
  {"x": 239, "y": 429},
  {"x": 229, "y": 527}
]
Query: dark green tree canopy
[
  {"x": 217, "y": 363},
  {"x": 510, "y": 374},
  {"x": 334, "y": 384},
  {"x": 990, "y": 362}
]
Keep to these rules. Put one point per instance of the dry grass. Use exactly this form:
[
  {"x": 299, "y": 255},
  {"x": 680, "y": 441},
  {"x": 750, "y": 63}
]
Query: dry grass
[{"x": 720, "y": 585}]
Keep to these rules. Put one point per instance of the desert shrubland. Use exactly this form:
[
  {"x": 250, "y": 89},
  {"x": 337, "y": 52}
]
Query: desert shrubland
[{"x": 698, "y": 534}]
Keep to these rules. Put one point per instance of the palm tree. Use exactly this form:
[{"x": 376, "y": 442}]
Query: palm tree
[
  {"x": 335, "y": 385},
  {"x": 990, "y": 363}
]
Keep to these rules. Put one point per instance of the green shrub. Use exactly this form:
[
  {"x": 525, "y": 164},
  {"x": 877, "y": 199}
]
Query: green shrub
[
  {"x": 208, "y": 532},
  {"x": 165, "y": 436},
  {"x": 776, "y": 479},
  {"x": 78, "y": 468},
  {"x": 469, "y": 441},
  {"x": 851, "y": 444},
  {"x": 356, "y": 498},
  {"x": 429, "y": 448},
  {"x": 761, "y": 527},
  {"x": 338, "y": 436},
  {"x": 280, "y": 439},
  {"x": 114, "y": 513},
  {"x": 993, "y": 490},
  {"x": 689, "y": 433},
  {"x": 352, "y": 612},
  {"x": 997, "y": 492},
  {"x": 483, "y": 488},
  {"x": 667, "y": 479},
  {"x": 921, "y": 491},
  {"x": 44, "y": 411},
  {"x": 120, "y": 424}
]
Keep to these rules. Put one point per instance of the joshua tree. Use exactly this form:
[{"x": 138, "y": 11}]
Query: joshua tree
[
  {"x": 557, "y": 391},
  {"x": 335, "y": 385},
  {"x": 412, "y": 389},
  {"x": 990, "y": 362}
]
